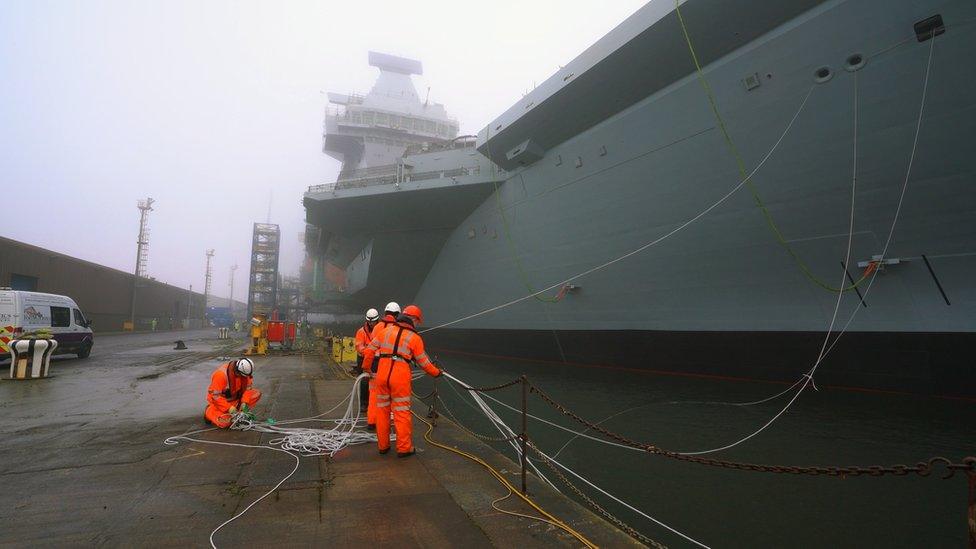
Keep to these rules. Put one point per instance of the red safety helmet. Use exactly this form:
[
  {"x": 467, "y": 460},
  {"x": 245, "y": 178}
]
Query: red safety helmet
[{"x": 414, "y": 311}]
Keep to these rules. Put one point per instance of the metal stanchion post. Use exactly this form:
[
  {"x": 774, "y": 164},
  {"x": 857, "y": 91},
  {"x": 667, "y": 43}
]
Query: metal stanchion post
[
  {"x": 432, "y": 413},
  {"x": 523, "y": 438}
]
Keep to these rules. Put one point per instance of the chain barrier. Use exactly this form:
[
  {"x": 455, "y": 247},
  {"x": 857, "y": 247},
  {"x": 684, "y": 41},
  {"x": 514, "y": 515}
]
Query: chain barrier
[
  {"x": 626, "y": 528},
  {"x": 922, "y": 468},
  {"x": 515, "y": 381},
  {"x": 457, "y": 422}
]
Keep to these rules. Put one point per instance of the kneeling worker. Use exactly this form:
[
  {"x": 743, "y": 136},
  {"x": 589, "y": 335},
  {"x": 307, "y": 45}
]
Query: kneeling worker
[
  {"x": 396, "y": 347},
  {"x": 230, "y": 388}
]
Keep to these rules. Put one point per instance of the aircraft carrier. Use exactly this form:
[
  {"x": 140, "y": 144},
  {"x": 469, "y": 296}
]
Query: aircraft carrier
[{"x": 602, "y": 219}]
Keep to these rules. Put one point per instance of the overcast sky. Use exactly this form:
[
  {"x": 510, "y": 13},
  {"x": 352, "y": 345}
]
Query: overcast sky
[{"x": 215, "y": 109}]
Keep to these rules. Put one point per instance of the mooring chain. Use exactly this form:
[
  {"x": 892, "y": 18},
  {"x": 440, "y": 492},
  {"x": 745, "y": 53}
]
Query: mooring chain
[
  {"x": 922, "y": 468},
  {"x": 461, "y": 426},
  {"x": 515, "y": 381},
  {"x": 627, "y": 529}
]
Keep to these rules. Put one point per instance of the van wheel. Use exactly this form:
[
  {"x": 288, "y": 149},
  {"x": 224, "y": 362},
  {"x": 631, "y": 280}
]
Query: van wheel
[{"x": 85, "y": 351}]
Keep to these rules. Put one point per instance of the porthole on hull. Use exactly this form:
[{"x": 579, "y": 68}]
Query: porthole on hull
[
  {"x": 854, "y": 62},
  {"x": 823, "y": 74}
]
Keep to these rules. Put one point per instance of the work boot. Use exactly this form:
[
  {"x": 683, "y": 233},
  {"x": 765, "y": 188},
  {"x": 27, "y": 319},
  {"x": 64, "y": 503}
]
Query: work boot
[
  {"x": 406, "y": 454},
  {"x": 371, "y": 427},
  {"x": 384, "y": 450}
]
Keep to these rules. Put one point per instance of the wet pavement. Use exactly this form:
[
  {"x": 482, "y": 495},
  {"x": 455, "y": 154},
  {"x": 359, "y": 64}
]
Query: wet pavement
[{"x": 83, "y": 463}]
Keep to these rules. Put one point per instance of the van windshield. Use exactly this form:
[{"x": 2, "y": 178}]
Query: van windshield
[{"x": 79, "y": 318}]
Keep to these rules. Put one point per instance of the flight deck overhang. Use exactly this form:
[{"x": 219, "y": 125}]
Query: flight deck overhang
[
  {"x": 435, "y": 190},
  {"x": 642, "y": 55},
  {"x": 395, "y": 207}
]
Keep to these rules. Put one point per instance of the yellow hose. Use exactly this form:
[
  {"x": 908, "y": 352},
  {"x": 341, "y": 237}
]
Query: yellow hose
[{"x": 504, "y": 481}]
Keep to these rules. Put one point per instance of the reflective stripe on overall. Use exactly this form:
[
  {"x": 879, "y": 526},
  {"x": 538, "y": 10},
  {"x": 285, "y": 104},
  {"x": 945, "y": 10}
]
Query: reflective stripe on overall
[{"x": 393, "y": 388}]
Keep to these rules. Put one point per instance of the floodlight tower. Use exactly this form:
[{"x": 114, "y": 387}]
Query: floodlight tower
[
  {"x": 142, "y": 253},
  {"x": 206, "y": 284}
]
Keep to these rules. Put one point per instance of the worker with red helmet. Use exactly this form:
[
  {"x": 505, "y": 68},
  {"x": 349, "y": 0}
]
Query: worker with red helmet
[
  {"x": 390, "y": 313},
  {"x": 231, "y": 387},
  {"x": 397, "y": 346},
  {"x": 363, "y": 336}
]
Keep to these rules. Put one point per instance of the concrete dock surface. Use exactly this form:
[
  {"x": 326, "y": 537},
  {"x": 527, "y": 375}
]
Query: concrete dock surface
[{"x": 83, "y": 463}]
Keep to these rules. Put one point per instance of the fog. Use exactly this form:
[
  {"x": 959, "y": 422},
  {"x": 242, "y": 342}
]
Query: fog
[{"x": 215, "y": 110}]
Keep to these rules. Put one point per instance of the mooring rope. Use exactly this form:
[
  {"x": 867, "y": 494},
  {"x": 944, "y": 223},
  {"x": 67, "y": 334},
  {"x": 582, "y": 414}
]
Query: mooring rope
[
  {"x": 807, "y": 379},
  {"x": 296, "y": 442},
  {"x": 646, "y": 245}
]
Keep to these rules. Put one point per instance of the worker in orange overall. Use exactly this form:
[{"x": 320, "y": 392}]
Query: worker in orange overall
[
  {"x": 390, "y": 313},
  {"x": 397, "y": 347},
  {"x": 230, "y": 389},
  {"x": 363, "y": 336}
]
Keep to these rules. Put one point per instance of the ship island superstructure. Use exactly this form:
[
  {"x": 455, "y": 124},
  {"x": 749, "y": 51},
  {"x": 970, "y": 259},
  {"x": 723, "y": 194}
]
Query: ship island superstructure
[
  {"x": 620, "y": 147},
  {"x": 390, "y": 139}
]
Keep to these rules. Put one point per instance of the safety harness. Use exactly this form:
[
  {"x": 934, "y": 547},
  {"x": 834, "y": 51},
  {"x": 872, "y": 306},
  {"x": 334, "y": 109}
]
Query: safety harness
[
  {"x": 228, "y": 394},
  {"x": 395, "y": 355}
]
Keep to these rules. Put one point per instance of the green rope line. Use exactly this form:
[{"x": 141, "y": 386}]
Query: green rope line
[
  {"x": 523, "y": 276},
  {"x": 743, "y": 174}
]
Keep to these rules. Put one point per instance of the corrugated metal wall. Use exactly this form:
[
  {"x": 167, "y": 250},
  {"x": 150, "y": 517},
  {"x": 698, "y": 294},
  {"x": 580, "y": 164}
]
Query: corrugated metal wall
[{"x": 104, "y": 294}]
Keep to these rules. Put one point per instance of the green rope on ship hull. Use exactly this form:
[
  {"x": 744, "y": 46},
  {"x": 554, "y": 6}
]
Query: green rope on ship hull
[
  {"x": 743, "y": 174},
  {"x": 523, "y": 276}
]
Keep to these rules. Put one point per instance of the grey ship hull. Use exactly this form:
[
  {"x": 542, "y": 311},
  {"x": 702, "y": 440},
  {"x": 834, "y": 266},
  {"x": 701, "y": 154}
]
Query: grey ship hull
[{"x": 722, "y": 297}]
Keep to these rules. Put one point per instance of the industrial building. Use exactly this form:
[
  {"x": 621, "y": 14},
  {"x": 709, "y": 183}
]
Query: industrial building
[{"x": 103, "y": 293}]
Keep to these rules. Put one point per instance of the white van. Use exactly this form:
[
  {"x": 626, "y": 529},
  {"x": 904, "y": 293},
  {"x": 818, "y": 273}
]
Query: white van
[{"x": 22, "y": 312}]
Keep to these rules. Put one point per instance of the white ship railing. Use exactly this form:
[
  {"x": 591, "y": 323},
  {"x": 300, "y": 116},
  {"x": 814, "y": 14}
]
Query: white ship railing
[{"x": 394, "y": 176}]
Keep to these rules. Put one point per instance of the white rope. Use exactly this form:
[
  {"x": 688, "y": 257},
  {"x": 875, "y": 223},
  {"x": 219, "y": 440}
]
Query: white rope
[
  {"x": 496, "y": 420},
  {"x": 500, "y": 426},
  {"x": 621, "y": 502},
  {"x": 808, "y": 376},
  {"x": 604, "y": 420},
  {"x": 296, "y": 441},
  {"x": 643, "y": 247}
]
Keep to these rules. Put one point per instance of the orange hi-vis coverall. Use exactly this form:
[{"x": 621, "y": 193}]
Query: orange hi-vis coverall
[
  {"x": 396, "y": 347},
  {"x": 363, "y": 336},
  {"x": 228, "y": 389},
  {"x": 377, "y": 332}
]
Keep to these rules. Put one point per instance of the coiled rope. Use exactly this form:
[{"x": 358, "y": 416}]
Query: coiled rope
[{"x": 297, "y": 442}]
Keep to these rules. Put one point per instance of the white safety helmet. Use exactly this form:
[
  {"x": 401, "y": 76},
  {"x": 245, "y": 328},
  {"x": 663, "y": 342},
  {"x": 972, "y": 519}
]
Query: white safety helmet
[
  {"x": 392, "y": 307},
  {"x": 244, "y": 366},
  {"x": 372, "y": 315}
]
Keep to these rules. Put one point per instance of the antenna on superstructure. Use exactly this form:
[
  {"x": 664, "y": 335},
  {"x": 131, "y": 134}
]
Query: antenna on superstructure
[
  {"x": 270, "y": 200},
  {"x": 427, "y": 99}
]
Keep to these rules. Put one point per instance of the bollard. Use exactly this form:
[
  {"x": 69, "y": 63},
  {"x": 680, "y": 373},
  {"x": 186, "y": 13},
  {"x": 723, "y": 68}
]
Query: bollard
[{"x": 31, "y": 358}]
